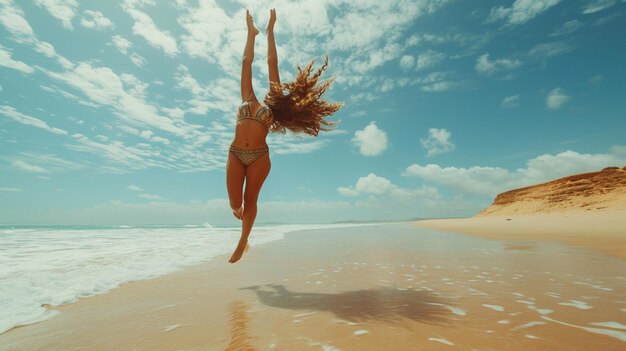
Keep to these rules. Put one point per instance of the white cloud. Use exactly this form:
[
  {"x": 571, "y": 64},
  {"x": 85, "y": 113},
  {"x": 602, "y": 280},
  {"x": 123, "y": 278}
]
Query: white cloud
[
  {"x": 521, "y": 11},
  {"x": 6, "y": 60},
  {"x": 368, "y": 22},
  {"x": 96, "y": 20},
  {"x": 371, "y": 184},
  {"x": 11, "y": 190},
  {"x": 19, "y": 117},
  {"x": 122, "y": 43},
  {"x": 383, "y": 187},
  {"x": 137, "y": 59},
  {"x": 407, "y": 62},
  {"x": 123, "y": 93},
  {"x": 367, "y": 38},
  {"x": 359, "y": 98},
  {"x": 220, "y": 94},
  {"x": 510, "y": 101},
  {"x": 296, "y": 148},
  {"x": 567, "y": 28},
  {"x": 493, "y": 180},
  {"x": 117, "y": 153},
  {"x": 546, "y": 50},
  {"x": 484, "y": 65},
  {"x": 150, "y": 196},
  {"x": 436, "y": 82},
  {"x": 38, "y": 162},
  {"x": 371, "y": 141},
  {"x": 437, "y": 142},
  {"x": 134, "y": 187},
  {"x": 597, "y": 6},
  {"x": 214, "y": 35},
  {"x": 596, "y": 79},
  {"x": 556, "y": 98},
  {"x": 12, "y": 17},
  {"x": 429, "y": 59},
  {"x": 27, "y": 167},
  {"x": 144, "y": 26},
  {"x": 64, "y": 10}
]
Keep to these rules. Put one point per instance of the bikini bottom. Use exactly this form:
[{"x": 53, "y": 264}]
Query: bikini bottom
[{"x": 248, "y": 156}]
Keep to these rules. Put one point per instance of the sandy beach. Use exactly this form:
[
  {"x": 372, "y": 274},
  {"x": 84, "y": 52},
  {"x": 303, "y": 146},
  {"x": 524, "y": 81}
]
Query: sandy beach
[
  {"x": 375, "y": 287},
  {"x": 601, "y": 231}
]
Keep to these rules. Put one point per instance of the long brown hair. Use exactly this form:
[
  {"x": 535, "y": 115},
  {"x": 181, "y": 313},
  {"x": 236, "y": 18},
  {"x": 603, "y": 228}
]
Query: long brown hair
[{"x": 298, "y": 105}]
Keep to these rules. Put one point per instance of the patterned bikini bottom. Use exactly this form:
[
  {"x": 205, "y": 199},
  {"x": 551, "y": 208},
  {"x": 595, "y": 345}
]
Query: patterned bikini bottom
[{"x": 248, "y": 156}]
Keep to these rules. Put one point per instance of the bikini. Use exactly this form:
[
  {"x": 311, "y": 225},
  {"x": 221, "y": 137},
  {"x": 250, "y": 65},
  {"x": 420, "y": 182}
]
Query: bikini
[{"x": 264, "y": 116}]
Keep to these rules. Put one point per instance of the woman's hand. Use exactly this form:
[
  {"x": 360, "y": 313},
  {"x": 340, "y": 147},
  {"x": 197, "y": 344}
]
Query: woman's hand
[
  {"x": 270, "y": 25},
  {"x": 250, "y": 22}
]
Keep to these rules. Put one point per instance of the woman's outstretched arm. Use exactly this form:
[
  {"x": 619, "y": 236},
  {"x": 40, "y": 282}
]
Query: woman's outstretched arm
[
  {"x": 272, "y": 56},
  {"x": 247, "y": 93}
]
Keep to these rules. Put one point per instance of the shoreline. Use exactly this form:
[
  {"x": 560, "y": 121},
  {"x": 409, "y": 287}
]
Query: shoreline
[
  {"x": 603, "y": 232},
  {"x": 355, "y": 288},
  {"x": 46, "y": 309}
]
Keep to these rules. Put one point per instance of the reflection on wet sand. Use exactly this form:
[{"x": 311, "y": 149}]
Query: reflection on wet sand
[
  {"x": 382, "y": 304},
  {"x": 239, "y": 339},
  {"x": 519, "y": 246}
]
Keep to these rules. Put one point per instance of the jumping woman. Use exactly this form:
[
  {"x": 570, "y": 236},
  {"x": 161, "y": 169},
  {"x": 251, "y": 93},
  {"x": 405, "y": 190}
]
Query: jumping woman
[{"x": 297, "y": 106}]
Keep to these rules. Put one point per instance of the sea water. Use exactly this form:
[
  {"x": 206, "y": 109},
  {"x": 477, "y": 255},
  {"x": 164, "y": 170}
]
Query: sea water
[{"x": 42, "y": 266}]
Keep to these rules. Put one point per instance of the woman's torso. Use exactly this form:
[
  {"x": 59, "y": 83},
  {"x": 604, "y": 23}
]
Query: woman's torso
[{"x": 250, "y": 133}]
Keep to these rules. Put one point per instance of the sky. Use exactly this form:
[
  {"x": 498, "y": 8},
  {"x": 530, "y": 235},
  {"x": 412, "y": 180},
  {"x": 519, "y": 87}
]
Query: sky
[{"x": 122, "y": 112}]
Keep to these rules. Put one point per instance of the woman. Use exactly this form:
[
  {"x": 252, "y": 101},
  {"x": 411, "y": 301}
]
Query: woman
[{"x": 297, "y": 106}]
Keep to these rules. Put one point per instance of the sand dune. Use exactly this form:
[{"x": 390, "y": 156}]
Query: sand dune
[
  {"x": 587, "y": 210},
  {"x": 596, "y": 191}
]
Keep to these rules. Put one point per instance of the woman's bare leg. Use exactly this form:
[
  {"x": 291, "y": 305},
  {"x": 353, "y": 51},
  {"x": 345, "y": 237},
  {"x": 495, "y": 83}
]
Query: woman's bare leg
[
  {"x": 256, "y": 174},
  {"x": 247, "y": 91},
  {"x": 235, "y": 174},
  {"x": 272, "y": 56}
]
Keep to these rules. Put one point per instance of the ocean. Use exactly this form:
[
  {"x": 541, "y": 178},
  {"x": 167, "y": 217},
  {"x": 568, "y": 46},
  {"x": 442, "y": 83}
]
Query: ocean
[{"x": 42, "y": 266}]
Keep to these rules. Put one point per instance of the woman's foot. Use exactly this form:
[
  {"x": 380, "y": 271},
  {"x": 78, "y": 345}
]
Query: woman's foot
[
  {"x": 250, "y": 22},
  {"x": 238, "y": 213},
  {"x": 241, "y": 248}
]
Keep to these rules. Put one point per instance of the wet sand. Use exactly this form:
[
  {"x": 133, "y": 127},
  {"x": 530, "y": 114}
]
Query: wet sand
[
  {"x": 377, "y": 287},
  {"x": 603, "y": 231}
]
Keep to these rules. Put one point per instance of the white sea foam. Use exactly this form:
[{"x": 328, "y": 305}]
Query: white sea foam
[
  {"x": 494, "y": 307},
  {"x": 442, "y": 340},
  {"x": 595, "y": 286},
  {"x": 40, "y": 267},
  {"x": 306, "y": 314},
  {"x": 171, "y": 327},
  {"x": 455, "y": 310},
  {"x": 528, "y": 325},
  {"x": 614, "y": 325},
  {"x": 612, "y": 333},
  {"x": 542, "y": 311},
  {"x": 575, "y": 303}
]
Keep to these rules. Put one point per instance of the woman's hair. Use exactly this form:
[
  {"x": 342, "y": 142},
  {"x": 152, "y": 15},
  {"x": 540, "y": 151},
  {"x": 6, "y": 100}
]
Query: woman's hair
[{"x": 298, "y": 105}]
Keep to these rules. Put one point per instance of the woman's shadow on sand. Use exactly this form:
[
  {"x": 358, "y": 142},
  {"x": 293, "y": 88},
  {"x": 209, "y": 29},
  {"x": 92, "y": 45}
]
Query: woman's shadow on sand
[{"x": 382, "y": 304}]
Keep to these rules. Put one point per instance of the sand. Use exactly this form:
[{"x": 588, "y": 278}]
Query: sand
[
  {"x": 591, "y": 193},
  {"x": 604, "y": 231},
  {"x": 586, "y": 210},
  {"x": 376, "y": 287}
]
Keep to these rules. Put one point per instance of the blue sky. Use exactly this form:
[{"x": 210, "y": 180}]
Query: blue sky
[{"x": 122, "y": 112}]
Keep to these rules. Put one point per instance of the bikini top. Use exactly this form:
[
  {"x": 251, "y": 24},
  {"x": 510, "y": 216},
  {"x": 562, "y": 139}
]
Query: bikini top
[{"x": 263, "y": 115}]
